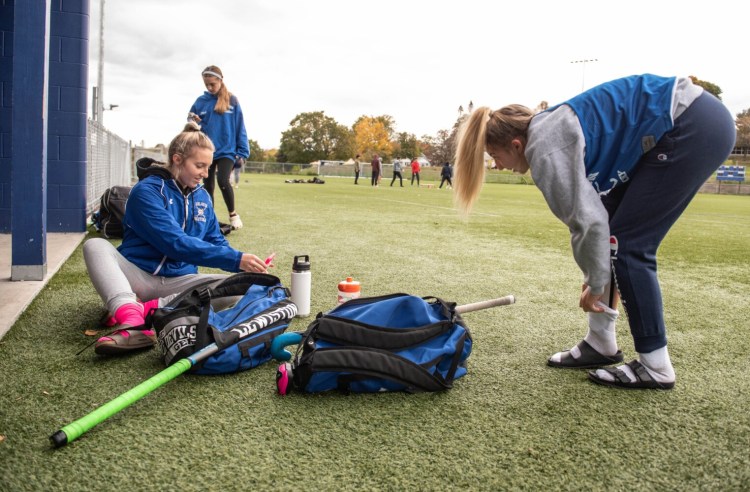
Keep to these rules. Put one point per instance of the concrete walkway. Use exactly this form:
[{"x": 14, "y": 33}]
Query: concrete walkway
[{"x": 15, "y": 297}]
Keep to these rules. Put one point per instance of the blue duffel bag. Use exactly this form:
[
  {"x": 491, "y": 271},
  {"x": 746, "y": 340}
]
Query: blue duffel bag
[{"x": 395, "y": 342}]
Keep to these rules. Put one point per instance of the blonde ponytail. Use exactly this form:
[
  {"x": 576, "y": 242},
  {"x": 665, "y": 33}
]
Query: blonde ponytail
[
  {"x": 484, "y": 128},
  {"x": 470, "y": 159}
]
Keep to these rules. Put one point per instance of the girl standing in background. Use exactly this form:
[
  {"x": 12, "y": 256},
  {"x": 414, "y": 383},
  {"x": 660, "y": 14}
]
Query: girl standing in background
[{"x": 219, "y": 113}]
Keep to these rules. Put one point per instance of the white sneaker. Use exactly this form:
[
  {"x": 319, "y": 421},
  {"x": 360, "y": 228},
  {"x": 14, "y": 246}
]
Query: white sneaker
[{"x": 235, "y": 221}]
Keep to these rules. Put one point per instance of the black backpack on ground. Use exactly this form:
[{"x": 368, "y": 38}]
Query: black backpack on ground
[{"x": 108, "y": 219}]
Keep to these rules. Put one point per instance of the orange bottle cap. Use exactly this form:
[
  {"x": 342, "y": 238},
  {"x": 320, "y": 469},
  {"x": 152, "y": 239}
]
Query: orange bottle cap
[{"x": 349, "y": 285}]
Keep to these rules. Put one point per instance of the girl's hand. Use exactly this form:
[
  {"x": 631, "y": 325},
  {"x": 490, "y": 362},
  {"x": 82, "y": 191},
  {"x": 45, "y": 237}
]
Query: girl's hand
[
  {"x": 251, "y": 263},
  {"x": 589, "y": 301}
]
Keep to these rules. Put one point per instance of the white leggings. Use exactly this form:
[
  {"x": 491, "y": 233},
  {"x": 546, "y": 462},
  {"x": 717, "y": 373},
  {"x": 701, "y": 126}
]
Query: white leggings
[{"x": 120, "y": 282}]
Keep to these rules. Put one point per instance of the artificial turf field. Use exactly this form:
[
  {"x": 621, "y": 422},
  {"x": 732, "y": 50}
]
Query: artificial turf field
[{"x": 511, "y": 423}]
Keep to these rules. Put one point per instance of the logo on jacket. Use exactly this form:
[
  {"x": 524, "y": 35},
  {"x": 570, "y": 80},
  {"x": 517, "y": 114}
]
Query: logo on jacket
[
  {"x": 200, "y": 211},
  {"x": 613, "y": 247}
]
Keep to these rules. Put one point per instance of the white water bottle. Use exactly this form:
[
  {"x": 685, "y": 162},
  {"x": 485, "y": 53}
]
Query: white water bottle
[{"x": 301, "y": 285}]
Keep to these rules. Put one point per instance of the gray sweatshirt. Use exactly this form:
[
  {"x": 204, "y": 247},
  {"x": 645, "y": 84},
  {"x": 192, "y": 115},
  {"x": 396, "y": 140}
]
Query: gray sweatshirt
[{"x": 555, "y": 153}]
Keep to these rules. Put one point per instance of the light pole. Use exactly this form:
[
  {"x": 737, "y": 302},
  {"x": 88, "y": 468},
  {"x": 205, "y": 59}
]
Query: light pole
[
  {"x": 583, "y": 69},
  {"x": 97, "y": 100}
]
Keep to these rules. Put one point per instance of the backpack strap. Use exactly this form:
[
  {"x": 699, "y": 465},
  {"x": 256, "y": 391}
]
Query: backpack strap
[
  {"x": 369, "y": 362},
  {"x": 239, "y": 283},
  {"x": 349, "y": 332},
  {"x": 345, "y": 331}
]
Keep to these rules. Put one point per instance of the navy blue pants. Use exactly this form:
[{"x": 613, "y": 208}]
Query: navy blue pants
[{"x": 642, "y": 211}]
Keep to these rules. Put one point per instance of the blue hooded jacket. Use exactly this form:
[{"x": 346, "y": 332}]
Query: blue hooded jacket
[
  {"x": 226, "y": 131},
  {"x": 170, "y": 233}
]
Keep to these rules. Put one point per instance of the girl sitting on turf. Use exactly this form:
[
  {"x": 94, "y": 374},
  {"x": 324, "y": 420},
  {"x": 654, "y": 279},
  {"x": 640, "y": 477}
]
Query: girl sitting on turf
[
  {"x": 169, "y": 229},
  {"x": 618, "y": 164}
]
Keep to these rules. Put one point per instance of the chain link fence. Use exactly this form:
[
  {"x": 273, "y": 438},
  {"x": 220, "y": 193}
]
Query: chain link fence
[
  {"x": 280, "y": 168},
  {"x": 335, "y": 170},
  {"x": 110, "y": 161}
]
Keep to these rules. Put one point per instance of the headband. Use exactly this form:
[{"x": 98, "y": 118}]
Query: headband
[{"x": 212, "y": 74}]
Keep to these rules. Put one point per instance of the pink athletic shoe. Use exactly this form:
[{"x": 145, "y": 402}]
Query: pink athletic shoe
[{"x": 129, "y": 335}]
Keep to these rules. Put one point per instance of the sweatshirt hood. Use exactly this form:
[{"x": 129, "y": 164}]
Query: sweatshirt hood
[{"x": 146, "y": 166}]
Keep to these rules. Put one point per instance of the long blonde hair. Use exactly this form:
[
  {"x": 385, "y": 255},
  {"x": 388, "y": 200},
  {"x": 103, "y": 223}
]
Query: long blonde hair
[
  {"x": 223, "y": 96},
  {"x": 482, "y": 128},
  {"x": 183, "y": 144}
]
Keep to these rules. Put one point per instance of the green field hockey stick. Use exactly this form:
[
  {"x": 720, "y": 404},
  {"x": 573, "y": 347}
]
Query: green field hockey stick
[{"x": 76, "y": 429}]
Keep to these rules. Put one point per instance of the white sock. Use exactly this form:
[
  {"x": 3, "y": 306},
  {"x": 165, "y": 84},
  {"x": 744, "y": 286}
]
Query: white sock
[
  {"x": 657, "y": 364},
  {"x": 575, "y": 352},
  {"x": 601, "y": 335}
]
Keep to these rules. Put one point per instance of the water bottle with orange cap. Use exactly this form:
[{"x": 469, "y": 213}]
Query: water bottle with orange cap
[{"x": 348, "y": 289}]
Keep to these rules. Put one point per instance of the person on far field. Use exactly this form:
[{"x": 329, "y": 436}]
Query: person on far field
[
  {"x": 357, "y": 169},
  {"x": 618, "y": 164},
  {"x": 446, "y": 174},
  {"x": 415, "y": 168},
  {"x": 397, "y": 173},
  {"x": 377, "y": 167},
  {"x": 219, "y": 113},
  {"x": 236, "y": 170}
]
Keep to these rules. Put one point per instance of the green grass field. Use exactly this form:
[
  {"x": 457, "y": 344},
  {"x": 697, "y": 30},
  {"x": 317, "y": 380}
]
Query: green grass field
[{"x": 511, "y": 424}]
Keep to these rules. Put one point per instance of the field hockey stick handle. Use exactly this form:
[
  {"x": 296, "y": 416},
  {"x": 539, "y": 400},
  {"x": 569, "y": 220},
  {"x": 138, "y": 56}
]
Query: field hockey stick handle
[
  {"x": 278, "y": 351},
  {"x": 76, "y": 429},
  {"x": 476, "y": 306}
]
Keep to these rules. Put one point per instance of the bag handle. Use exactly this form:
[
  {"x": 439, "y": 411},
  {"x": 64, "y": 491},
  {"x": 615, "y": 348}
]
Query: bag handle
[
  {"x": 373, "y": 363},
  {"x": 238, "y": 283},
  {"x": 348, "y": 332}
]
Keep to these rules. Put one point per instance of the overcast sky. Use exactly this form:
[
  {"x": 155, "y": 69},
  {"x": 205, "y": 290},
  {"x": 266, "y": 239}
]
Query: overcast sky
[{"x": 415, "y": 60}]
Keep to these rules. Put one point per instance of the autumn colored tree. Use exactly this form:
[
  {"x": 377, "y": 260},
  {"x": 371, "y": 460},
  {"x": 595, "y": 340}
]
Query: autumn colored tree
[
  {"x": 372, "y": 136},
  {"x": 743, "y": 128},
  {"x": 314, "y": 136},
  {"x": 388, "y": 123},
  {"x": 542, "y": 106}
]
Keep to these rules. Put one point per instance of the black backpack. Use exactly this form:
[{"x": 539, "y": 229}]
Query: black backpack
[{"x": 108, "y": 219}]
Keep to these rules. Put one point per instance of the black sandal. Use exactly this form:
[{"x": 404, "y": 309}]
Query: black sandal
[
  {"x": 589, "y": 358},
  {"x": 643, "y": 379}
]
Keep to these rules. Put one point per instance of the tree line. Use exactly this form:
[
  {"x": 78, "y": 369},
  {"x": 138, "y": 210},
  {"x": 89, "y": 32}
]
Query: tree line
[{"x": 314, "y": 136}]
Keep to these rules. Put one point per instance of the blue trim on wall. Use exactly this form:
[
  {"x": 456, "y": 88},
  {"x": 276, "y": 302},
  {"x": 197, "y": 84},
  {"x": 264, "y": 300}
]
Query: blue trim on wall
[
  {"x": 68, "y": 95},
  {"x": 6, "y": 108},
  {"x": 44, "y": 68},
  {"x": 29, "y": 137}
]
